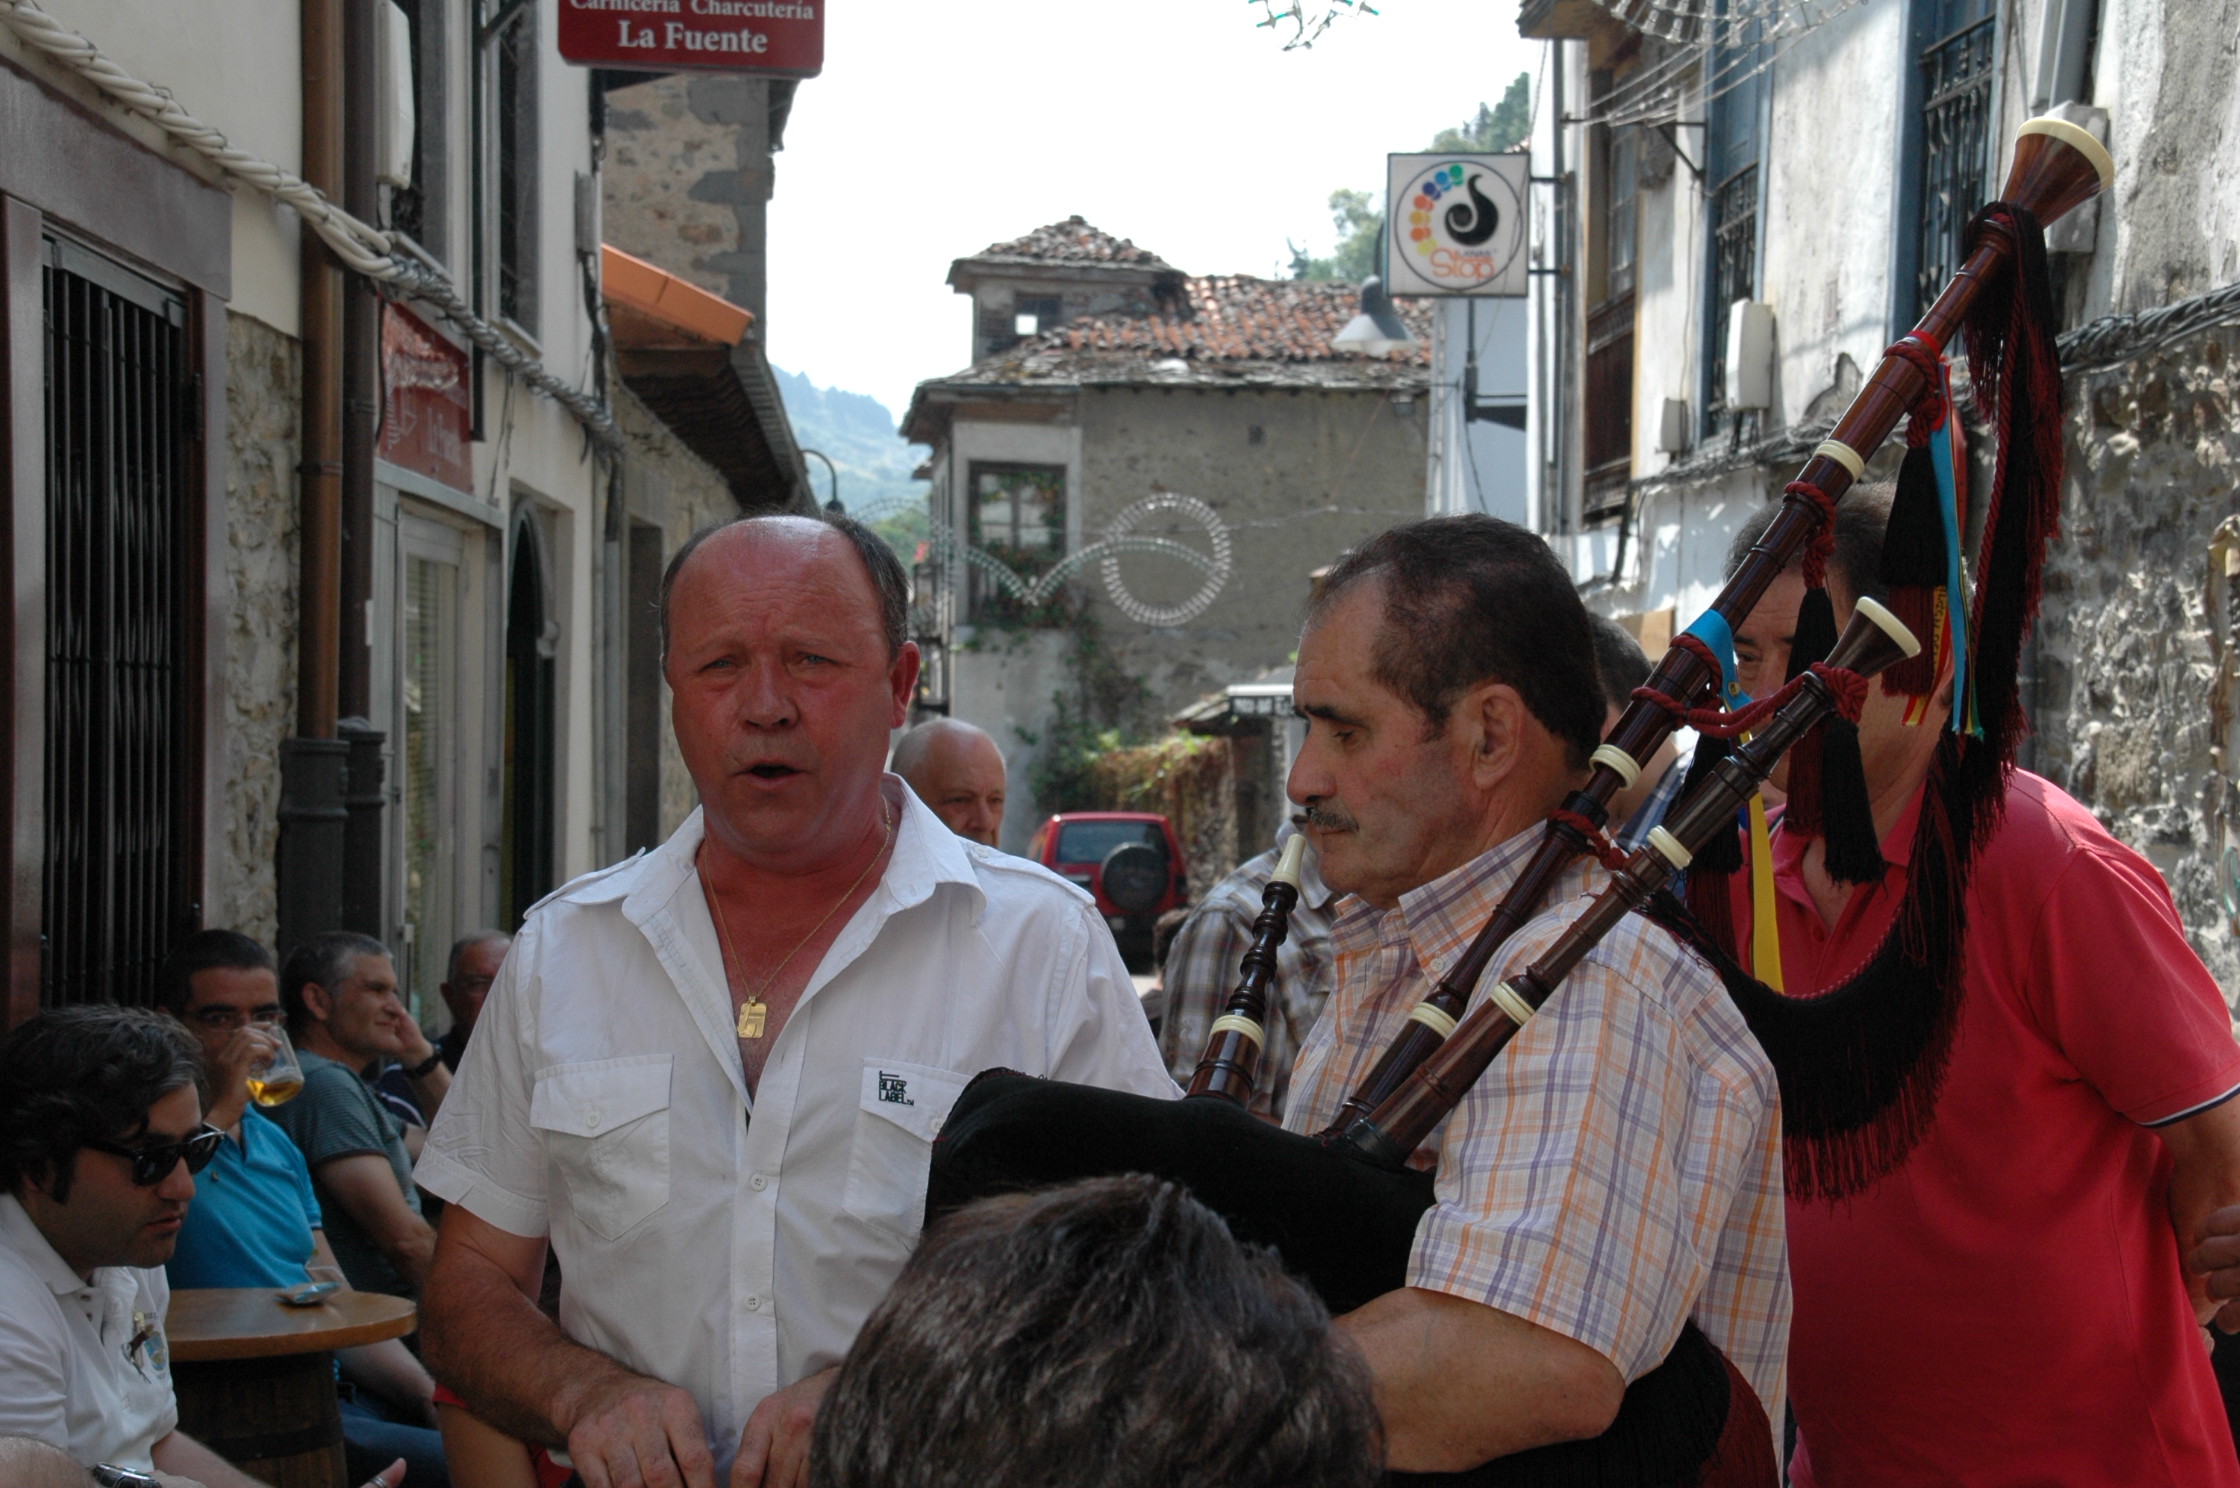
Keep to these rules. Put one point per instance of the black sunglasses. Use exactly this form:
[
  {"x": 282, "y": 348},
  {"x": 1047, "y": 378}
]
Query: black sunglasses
[{"x": 151, "y": 1165}]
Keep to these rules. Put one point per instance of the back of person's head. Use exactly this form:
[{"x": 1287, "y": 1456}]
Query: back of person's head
[
  {"x": 1618, "y": 660},
  {"x": 27, "y": 1462},
  {"x": 205, "y": 950},
  {"x": 1108, "y": 1334},
  {"x": 79, "y": 1074},
  {"x": 324, "y": 961},
  {"x": 1474, "y": 599},
  {"x": 1856, "y": 564}
]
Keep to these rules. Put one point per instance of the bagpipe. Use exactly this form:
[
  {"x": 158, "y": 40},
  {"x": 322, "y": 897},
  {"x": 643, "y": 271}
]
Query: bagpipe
[{"x": 1341, "y": 1207}]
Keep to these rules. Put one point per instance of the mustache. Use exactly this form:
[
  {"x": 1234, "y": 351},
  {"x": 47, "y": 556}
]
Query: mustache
[{"x": 1327, "y": 818}]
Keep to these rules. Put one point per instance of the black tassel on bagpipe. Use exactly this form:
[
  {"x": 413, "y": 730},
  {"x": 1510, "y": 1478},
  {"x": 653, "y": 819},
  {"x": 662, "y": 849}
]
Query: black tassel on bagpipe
[{"x": 1913, "y": 566}]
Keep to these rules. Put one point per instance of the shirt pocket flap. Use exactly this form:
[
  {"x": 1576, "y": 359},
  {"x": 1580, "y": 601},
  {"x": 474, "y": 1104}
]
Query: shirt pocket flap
[
  {"x": 584, "y": 1100},
  {"x": 915, "y": 1097}
]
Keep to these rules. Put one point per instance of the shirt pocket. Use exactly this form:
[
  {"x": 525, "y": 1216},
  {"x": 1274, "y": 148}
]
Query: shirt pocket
[
  {"x": 899, "y": 1111},
  {"x": 606, "y": 1127}
]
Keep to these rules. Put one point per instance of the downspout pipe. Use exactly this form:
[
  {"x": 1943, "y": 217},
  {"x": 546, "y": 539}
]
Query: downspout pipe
[
  {"x": 361, "y": 409},
  {"x": 308, "y": 866}
]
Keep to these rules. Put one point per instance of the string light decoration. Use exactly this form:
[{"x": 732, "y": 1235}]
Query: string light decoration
[
  {"x": 1747, "y": 38},
  {"x": 1120, "y": 538},
  {"x": 1305, "y": 22}
]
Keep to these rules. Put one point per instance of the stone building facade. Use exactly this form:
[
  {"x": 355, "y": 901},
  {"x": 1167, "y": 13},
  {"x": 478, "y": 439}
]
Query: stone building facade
[{"x": 1115, "y": 400}]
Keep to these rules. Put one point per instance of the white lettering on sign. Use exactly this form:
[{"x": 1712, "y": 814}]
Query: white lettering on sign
[
  {"x": 664, "y": 7},
  {"x": 683, "y": 37},
  {"x": 768, "y": 10}
]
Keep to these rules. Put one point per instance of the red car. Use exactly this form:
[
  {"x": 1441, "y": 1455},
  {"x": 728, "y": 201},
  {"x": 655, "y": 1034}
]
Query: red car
[{"x": 1130, "y": 861}]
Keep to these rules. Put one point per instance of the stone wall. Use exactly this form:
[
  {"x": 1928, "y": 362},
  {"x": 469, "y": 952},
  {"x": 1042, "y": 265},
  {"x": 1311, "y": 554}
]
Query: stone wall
[
  {"x": 2123, "y": 665},
  {"x": 688, "y": 179},
  {"x": 1296, "y": 477},
  {"x": 260, "y": 576}
]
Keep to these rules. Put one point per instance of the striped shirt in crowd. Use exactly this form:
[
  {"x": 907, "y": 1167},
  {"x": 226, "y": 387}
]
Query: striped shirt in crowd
[{"x": 1618, "y": 1169}]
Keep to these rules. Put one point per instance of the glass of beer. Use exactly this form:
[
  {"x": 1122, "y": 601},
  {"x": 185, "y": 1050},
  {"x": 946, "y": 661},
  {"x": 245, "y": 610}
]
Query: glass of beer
[{"x": 278, "y": 1078}]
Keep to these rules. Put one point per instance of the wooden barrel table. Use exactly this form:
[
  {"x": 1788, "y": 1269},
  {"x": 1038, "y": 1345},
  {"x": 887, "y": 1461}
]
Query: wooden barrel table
[{"x": 255, "y": 1377}]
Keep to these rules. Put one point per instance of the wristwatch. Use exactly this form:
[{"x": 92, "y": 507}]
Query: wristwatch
[
  {"x": 425, "y": 1067},
  {"x": 108, "y": 1475}
]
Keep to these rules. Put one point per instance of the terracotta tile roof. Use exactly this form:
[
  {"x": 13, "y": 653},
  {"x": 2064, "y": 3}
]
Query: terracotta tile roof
[
  {"x": 1232, "y": 318},
  {"x": 1225, "y": 331},
  {"x": 1074, "y": 241}
]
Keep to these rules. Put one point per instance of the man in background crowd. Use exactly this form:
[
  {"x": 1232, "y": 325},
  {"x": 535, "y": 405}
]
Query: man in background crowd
[
  {"x": 1623, "y": 666},
  {"x": 340, "y": 992},
  {"x": 1026, "y": 1326},
  {"x": 958, "y": 771},
  {"x": 255, "y": 1221},
  {"x": 468, "y": 972},
  {"x": 1202, "y": 967}
]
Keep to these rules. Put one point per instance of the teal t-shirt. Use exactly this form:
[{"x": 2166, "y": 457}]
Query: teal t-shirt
[
  {"x": 251, "y": 1221},
  {"x": 338, "y": 1115}
]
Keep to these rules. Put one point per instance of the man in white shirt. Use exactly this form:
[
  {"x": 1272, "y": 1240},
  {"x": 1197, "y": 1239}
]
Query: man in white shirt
[
  {"x": 711, "y": 1076},
  {"x": 100, "y": 1133}
]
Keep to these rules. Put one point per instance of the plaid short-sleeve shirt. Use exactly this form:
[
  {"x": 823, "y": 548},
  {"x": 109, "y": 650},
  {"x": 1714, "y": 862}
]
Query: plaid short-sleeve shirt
[{"x": 1618, "y": 1169}]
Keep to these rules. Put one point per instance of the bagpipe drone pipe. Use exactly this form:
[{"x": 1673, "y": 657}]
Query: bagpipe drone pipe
[{"x": 1341, "y": 1208}]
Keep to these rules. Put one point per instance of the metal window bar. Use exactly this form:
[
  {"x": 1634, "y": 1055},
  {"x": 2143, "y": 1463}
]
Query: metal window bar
[
  {"x": 1609, "y": 426},
  {"x": 1955, "y": 174},
  {"x": 1734, "y": 263},
  {"x": 117, "y": 748}
]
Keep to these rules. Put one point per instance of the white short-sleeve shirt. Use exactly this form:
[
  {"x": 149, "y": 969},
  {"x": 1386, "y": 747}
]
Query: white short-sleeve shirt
[
  {"x": 731, "y": 1246},
  {"x": 83, "y": 1365}
]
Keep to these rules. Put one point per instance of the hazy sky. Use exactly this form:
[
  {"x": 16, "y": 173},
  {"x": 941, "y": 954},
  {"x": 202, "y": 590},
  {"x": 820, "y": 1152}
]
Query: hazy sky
[{"x": 938, "y": 129}]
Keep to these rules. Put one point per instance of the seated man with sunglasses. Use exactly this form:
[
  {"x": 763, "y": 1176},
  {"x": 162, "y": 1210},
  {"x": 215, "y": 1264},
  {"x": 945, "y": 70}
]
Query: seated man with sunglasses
[{"x": 100, "y": 1133}]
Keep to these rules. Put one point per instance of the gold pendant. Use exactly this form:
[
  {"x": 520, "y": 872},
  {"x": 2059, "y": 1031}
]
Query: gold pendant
[{"x": 751, "y": 1014}]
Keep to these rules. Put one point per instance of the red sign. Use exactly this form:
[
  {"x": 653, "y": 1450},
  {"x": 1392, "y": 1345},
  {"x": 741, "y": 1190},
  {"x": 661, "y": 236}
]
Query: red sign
[
  {"x": 425, "y": 417},
  {"x": 779, "y": 38}
]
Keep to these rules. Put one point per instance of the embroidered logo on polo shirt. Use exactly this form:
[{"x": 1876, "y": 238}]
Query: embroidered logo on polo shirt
[
  {"x": 147, "y": 1351},
  {"x": 894, "y": 1090}
]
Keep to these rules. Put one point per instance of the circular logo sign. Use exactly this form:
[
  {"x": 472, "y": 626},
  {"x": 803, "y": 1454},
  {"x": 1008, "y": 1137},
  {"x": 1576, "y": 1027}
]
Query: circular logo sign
[{"x": 1459, "y": 225}]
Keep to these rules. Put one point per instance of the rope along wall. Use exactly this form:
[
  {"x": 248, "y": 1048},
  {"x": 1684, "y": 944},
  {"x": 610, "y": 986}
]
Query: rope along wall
[{"x": 390, "y": 261}]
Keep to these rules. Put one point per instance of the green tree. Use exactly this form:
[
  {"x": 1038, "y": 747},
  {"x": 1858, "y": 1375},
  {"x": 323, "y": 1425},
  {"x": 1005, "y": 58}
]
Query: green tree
[
  {"x": 1503, "y": 126},
  {"x": 1495, "y": 127},
  {"x": 1354, "y": 214}
]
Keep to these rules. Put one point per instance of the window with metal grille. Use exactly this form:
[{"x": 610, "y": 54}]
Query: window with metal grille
[
  {"x": 418, "y": 209},
  {"x": 1734, "y": 145},
  {"x": 516, "y": 47},
  {"x": 1017, "y": 516},
  {"x": 1609, "y": 426},
  {"x": 1734, "y": 276},
  {"x": 118, "y": 879},
  {"x": 1955, "y": 142}
]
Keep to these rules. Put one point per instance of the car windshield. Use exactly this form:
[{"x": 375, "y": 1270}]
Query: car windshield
[{"x": 1093, "y": 841}]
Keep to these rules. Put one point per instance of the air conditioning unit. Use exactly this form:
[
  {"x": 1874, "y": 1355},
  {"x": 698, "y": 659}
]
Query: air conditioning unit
[
  {"x": 1673, "y": 426},
  {"x": 392, "y": 89},
  {"x": 1749, "y": 355}
]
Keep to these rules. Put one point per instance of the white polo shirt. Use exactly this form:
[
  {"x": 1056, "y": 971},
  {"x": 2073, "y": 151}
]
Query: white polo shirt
[
  {"x": 601, "y": 1100},
  {"x": 83, "y": 1367}
]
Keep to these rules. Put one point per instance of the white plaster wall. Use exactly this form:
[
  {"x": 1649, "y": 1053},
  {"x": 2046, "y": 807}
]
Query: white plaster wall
[
  {"x": 1004, "y": 681},
  {"x": 242, "y": 76}
]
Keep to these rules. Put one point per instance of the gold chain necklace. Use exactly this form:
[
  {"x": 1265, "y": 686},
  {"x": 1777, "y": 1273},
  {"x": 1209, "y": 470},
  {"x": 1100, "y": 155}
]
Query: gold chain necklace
[{"x": 754, "y": 1011}]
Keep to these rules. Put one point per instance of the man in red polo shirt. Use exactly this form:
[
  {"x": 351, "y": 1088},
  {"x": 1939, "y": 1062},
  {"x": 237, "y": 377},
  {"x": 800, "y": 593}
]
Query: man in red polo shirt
[{"x": 2008, "y": 1305}]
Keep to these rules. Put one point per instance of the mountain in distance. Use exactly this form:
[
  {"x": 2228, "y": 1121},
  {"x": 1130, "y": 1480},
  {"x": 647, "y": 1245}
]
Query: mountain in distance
[{"x": 857, "y": 433}]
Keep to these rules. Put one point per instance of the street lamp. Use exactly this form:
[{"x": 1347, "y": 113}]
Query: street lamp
[
  {"x": 833, "y": 506},
  {"x": 1375, "y": 331}
]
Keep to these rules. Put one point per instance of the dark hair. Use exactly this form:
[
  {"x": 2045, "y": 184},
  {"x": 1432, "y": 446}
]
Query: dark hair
[
  {"x": 888, "y": 580},
  {"x": 323, "y": 961},
  {"x": 466, "y": 943},
  {"x": 1618, "y": 660},
  {"x": 1103, "y": 1334},
  {"x": 1860, "y": 519},
  {"x": 79, "y": 1074},
  {"x": 1474, "y": 599},
  {"x": 205, "y": 950}
]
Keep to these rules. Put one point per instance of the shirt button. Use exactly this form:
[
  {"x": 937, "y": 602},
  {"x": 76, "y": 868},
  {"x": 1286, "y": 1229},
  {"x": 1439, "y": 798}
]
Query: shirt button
[
  {"x": 592, "y": 1118},
  {"x": 754, "y": 1304},
  {"x": 758, "y": 1183}
]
